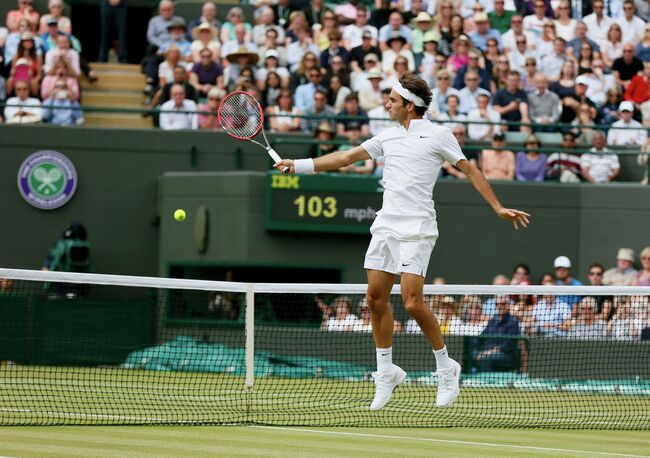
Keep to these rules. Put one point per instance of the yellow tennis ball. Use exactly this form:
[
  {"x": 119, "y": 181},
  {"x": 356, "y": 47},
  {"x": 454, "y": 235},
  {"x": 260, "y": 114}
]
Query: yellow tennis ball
[{"x": 179, "y": 215}]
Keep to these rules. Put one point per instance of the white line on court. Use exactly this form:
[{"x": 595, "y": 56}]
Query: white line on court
[{"x": 447, "y": 441}]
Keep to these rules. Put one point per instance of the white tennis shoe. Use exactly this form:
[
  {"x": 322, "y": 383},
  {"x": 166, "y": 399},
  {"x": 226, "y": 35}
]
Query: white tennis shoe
[
  {"x": 448, "y": 385},
  {"x": 385, "y": 384}
]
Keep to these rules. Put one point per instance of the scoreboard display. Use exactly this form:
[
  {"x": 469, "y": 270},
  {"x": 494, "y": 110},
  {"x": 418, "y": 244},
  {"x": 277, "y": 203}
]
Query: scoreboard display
[{"x": 322, "y": 203}]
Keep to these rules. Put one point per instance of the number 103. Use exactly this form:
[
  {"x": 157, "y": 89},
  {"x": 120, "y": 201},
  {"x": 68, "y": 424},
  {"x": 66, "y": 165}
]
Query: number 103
[{"x": 316, "y": 206}]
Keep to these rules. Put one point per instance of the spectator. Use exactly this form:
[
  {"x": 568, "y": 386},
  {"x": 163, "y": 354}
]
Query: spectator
[
  {"x": 56, "y": 12},
  {"x": 612, "y": 48},
  {"x": 178, "y": 112},
  {"x": 643, "y": 275},
  {"x": 521, "y": 275},
  {"x": 623, "y": 325},
  {"x": 301, "y": 75},
  {"x": 337, "y": 67},
  {"x": 240, "y": 62},
  {"x": 624, "y": 273},
  {"x": 565, "y": 26},
  {"x": 531, "y": 164},
  {"x": 25, "y": 11},
  {"x": 272, "y": 44},
  {"x": 205, "y": 36},
  {"x": 238, "y": 42},
  {"x": 363, "y": 167},
  {"x": 208, "y": 16},
  {"x": 626, "y": 131},
  {"x": 372, "y": 97},
  {"x": 518, "y": 56},
  {"x": 315, "y": 12},
  {"x": 337, "y": 93},
  {"x": 631, "y": 25},
  {"x": 359, "y": 54},
  {"x": 206, "y": 74},
  {"x": 468, "y": 96},
  {"x": 535, "y": 22},
  {"x": 587, "y": 324},
  {"x": 486, "y": 114},
  {"x": 320, "y": 110},
  {"x": 483, "y": 32},
  {"x": 266, "y": 22},
  {"x": 338, "y": 317},
  {"x": 584, "y": 124},
  {"x": 442, "y": 91},
  {"x": 598, "y": 82},
  {"x": 305, "y": 92},
  {"x": 334, "y": 50},
  {"x": 422, "y": 27},
  {"x": 562, "y": 269},
  {"x": 571, "y": 102},
  {"x": 166, "y": 68},
  {"x": 353, "y": 33},
  {"x": 460, "y": 54},
  {"x": 509, "y": 38},
  {"x": 600, "y": 165},
  {"x": 25, "y": 66},
  {"x": 551, "y": 315},
  {"x": 500, "y": 18},
  {"x": 512, "y": 103},
  {"x": 379, "y": 117},
  {"x": 13, "y": 41},
  {"x": 302, "y": 45},
  {"x": 23, "y": 109},
  {"x": 473, "y": 64},
  {"x": 352, "y": 109},
  {"x": 638, "y": 91},
  {"x": 61, "y": 69},
  {"x": 598, "y": 23},
  {"x": 543, "y": 105},
  {"x": 270, "y": 89},
  {"x": 394, "y": 27},
  {"x": 61, "y": 109},
  {"x": 364, "y": 314},
  {"x": 605, "y": 304},
  {"x": 500, "y": 73},
  {"x": 444, "y": 310},
  {"x": 396, "y": 46},
  {"x": 643, "y": 48},
  {"x": 282, "y": 12},
  {"x": 500, "y": 353},
  {"x": 323, "y": 133},
  {"x": 564, "y": 165},
  {"x": 608, "y": 113},
  {"x": 575, "y": 46},
  {"x": 112, "y": 12},
  {"x": 490, "y": 304},
  {"x": 179, "y": 76},
  {"x": 545, "y": 45},
  {"x": 50, "y": 37},
  {"x": 328, "y": 26},
  {"x": 498, "y": 163},
  {"x": 474, "y": 322},
  {"x": 551, "y": 64},
  {"x": 585, "y": 58},
  {"x": 624, "y": 68},
  {"x": 158, "y": 28},
  {"x": 71, "y": 253},
  {"x": 452, "y": 117},
  {"x": 208, "y": 118},
  {"x": 283, "y": 116},
  {"x": 236, "y": 17},
  {"x": 432, "y": 61},
  {"x": 400, "y": 68}
]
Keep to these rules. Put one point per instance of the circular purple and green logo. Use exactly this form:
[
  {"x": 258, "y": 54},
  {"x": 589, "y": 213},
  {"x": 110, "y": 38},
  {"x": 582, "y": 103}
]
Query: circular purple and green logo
[{"x": 47, "y": 180}]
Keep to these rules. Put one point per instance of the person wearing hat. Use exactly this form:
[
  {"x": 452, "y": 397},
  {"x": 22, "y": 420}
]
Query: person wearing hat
[
  {"x": 396, "y": 47},
  {"x": 236, "y": 61},
  {"x": 371, "y": 97},
  {"x": 25, "y": 66},
  {"x": 208, "y": 15},
  {"x": 427, "y": 64},
  {"x": 271, "y": 63},
  {"x": 238, "y": 43},
  {"x": 112, "y": 12},
  {"x": 423, "y": 24},
  {"x": 359, "y": 53},
  {"x": 571, "y": 102},
  {"x": 176, "y": 39},
  {"x": 483, "y": 32},
  {"x": 157, "y": 30},
  {"x": 627, "y": 131},
  {"x": 55, "y": 8},
  {"x": 359, "y": 76},
  {"x": 562, "y": 271},
  {"x": 624, "y": 273},
  {"x": 52, "y": 32},
  {"x": 353, "y": 33},
  {"x": 323, "y": 133},
  {"x": 394, "y": 27},
  {"x": 205, "y": 36},
  {"x": 498, "y": 163}
]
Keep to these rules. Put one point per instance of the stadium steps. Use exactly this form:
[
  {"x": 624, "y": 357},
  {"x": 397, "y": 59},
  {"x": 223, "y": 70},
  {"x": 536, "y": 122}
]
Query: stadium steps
[{"x": 118, "y": 86}]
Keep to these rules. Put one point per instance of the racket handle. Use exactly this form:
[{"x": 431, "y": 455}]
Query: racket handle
[{"x": 276, "y": 157}]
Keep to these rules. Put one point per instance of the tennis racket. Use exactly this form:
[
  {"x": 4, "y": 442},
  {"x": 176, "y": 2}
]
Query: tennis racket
[{"x": 242, "y": 117}]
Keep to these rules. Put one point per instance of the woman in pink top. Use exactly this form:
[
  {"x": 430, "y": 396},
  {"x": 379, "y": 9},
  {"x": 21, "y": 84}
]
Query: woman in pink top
[
  {"x": 61, "y": 69},
  {"x": 643, "y": 277},
  {"x": 25, "y": 10}
]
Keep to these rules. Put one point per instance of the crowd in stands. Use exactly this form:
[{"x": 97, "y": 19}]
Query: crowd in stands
[{"x": 552, "y": 315}]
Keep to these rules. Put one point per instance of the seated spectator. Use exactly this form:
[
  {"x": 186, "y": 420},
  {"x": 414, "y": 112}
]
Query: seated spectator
[
  {"x": 444, "y": 308},
  {"x": 500, "y": 72},
  {"x": 535, "y": 22},
  {"x": 485, "y": 114},
  {"x": 283, "y": 115},
  {"x": 396, "y": 46},
  {"x": 337, "y": 67},
  {"x": 272, "y": 64},
  {"x": 562, "y": 270},
  {"x": 604, "y": 304},
  {"x": 166, "y": 68},
  {"x": 359, "y": 53},
  {"x": 329, "y": 23},
  {"x": 364, "y": 167},
  {"x": 442, "y": 91},
  {"x": 272, "y": 44},
  {"x": 551, "y": 316},
  {"x": 239, "y": 62},
  {"x": 61, "y": 109},
  {"x": 353, "y": 33},
  {"x": 638, "y": 91},
  {"x": 25, "y": 66},
  {"x": 643, "y": 275},
  {"x": 335, "y": 49},
  {"x": 208, "y": 16},
  {"x": 323, "y": 133},
  {"x": 474, "y": 322},
  {"x": 272, "y": 87},
  {"x": 422, "y": 28},
  {"x": 571, "y": 103},
  {"x": 379, "y": 116},
  {"x": 473, "y": 64},
  {"x": 400, "y": 68},
  {"x": 624, "y": 324},
  {"x": 501, "y": 18},
  {"x": 551, "y": 64},
  {"x": 432, "y": 60},
  {"x": 337, "y": 317},
  {"x": 304, "y": 94},
  {"x": 178, "y": 112},
  {"x": 320, "y": 111},
  {"x": 51, "y": 35},
  {"x": 23, "y": 109},
  {"x": 350, "y": 109},
  {"x": 624, "y": 273},
  {"x": 626, "y": 131},
  {"x": 298, "y": 48},
  {"x": 642, "y": 50},
  {"x": 624, "y": 68},
  {"x": 56, "y": 12},
  {"x": 490, "y": 304},
  {"x": 631, "y": 24},
  {"x": 483, "y": 32},
  {"x": 208, "y": 118},
  {"x": 266, "y": 22},
  {"x": 238, "y": 43},
  {"x": 395, "y": 26},
  {"x": 515, "y": 30},
  {"x": 586, "y": 324},
  {"x": 452, "y": 117},
  {"x": 608, "y": 113},
  {"x": 585, "y": 125},
  {"x": 600, "y": 165},
  {"x": 13, "y": 41},
  {"x": 564, "y": 165},
  {"x": 531, "y": 164},
  {"x": 158, "y": 33},
  {"x": 468, "y": 96},
  {"x": 25, "y": 11},
  {"x": 235, "y": 18},
  {"x": 337, "y": 93},
  {"x": 206, "y": 74},
  {"x": 205, "y": 37},
  {"x": 581, "y": 38},
  {"x": 498, "y": 163},
  {"x": 528, "y": 78},
  {"x": 512, "y": 103},
  {"x": 612, "y": 47},
  {"x": 60, "y": 70},
  {"x": 460, "y": 55},
  {"x": 543, "y": 105},
  {"x": 518, "y": 56},
  {"x": 63, "y": 49},
  {"x": 371, "y": 97}
]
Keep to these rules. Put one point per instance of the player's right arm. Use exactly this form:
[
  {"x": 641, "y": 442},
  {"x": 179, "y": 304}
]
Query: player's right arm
[{"x": 328, "y": 162}]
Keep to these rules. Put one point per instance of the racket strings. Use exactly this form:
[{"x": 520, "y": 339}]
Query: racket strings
[{"x": 240, "y": 115}]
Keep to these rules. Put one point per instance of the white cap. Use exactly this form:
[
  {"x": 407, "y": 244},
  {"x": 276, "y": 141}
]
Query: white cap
[
  {"x": 625, "y": 254},
  {"x": 271, "y": 53},
  {"x": 626, "y": 106},
  {"x": 562, "y": 261},
  {"x": 582, "y": 79}
]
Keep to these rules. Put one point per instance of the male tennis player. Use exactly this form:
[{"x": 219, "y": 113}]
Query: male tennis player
[{"x": 405, "y": 229}]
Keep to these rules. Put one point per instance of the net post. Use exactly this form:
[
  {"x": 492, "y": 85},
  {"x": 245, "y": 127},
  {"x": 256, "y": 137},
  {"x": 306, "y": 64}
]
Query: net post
[{"x": 250, "y": 336}]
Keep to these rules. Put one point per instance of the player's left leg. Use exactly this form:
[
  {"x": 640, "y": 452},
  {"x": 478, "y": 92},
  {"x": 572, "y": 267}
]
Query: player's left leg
[{"x": 412, "y": 287}]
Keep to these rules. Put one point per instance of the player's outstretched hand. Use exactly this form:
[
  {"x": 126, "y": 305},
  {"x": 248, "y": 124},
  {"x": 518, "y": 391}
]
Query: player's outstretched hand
[
  {"x": 280, "y": 166},
  {"x": 516, "y": 216}
]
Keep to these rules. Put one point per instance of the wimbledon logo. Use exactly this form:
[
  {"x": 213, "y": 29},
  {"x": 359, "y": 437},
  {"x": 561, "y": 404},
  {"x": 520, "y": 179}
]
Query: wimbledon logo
[{"x": 47, "y": 180}]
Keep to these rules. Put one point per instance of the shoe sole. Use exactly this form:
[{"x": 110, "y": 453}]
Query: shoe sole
[{"x": 400, "y": 380}]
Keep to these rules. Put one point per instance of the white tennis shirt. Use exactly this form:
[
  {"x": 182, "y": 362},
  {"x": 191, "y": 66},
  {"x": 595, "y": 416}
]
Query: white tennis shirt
[{"x": 413, "y": 159}]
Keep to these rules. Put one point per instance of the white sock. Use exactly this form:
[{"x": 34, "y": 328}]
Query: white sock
[
  {"x": 442, "y": 358},
  {"x": 384, "y": 359}
]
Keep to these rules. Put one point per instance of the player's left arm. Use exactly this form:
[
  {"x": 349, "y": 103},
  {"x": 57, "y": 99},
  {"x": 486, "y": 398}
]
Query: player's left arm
[{"x": 479, "y": 182}]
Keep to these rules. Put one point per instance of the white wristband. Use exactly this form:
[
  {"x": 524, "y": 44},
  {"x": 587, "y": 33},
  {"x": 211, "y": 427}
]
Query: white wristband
[{"x": 303, "y": 165}]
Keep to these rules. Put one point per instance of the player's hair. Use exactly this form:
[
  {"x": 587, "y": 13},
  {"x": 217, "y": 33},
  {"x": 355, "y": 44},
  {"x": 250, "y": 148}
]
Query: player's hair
[{"x": 419, "y": 87}]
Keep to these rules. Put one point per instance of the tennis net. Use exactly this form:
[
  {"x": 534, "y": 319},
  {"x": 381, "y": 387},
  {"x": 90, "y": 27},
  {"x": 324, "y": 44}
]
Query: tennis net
[{"x": 101, "y": 349}]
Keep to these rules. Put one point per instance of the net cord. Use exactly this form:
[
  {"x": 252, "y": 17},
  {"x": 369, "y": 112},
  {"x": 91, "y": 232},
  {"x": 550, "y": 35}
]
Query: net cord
[{"x": 308, "y": 288}]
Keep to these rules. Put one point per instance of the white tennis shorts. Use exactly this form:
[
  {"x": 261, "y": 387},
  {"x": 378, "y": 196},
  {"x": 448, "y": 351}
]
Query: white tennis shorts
[{"x": 389, "y": 254}]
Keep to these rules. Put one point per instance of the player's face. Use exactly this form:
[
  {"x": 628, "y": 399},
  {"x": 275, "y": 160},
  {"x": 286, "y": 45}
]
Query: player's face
[{"x": 397, "y": 110}]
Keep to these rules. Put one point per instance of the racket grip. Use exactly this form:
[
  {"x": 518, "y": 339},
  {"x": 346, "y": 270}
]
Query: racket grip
[{"x": 276, "y": 157}]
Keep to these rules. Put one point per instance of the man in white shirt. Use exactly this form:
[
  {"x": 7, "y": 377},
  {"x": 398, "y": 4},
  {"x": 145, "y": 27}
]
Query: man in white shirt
[
  {"x": 518, "y": 55},
  {"x": 552, "y": 63},
  {"x": 631, "y": 25},
  {"x": 535, "y": 22},
  {"x": 23, "y": 109},
  {"x": 178, "y": 112},
  {"x": 405, "y": 229},
  {"x": 469, "y": 94},
  {"x": 598, "y": 23},
  {"x": 395, "y": 25},
  {"x": 484, "y": 113},
  {"x": 298, "y": 48},
  {"x": 600, "y": 165},
  {"x": 352, "y": 34},
  {"x": 634, "y": 132},
  {"x": 379, "y": 116},
  {"x": 232, "y": 46},
  {"x": 509, "y": 39}
]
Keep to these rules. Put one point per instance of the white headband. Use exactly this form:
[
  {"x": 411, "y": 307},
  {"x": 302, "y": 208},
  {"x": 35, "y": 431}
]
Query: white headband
[{"x": 408, "y": 95}]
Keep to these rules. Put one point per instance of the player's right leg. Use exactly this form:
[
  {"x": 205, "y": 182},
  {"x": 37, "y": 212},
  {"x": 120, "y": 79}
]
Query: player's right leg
[{"x": 388, "y": 375}]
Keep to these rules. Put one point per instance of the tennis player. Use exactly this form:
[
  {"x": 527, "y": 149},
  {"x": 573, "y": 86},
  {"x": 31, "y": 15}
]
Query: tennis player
[{"x": 405, "y": 229}]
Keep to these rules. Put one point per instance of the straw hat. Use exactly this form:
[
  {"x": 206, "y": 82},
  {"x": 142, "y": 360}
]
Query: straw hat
[
  {"x": 233, "y": 57},
  {"x": 422, "y": 16},
  {"x": 324, "y": 126},
  {"x": 204, "y": 26}
]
